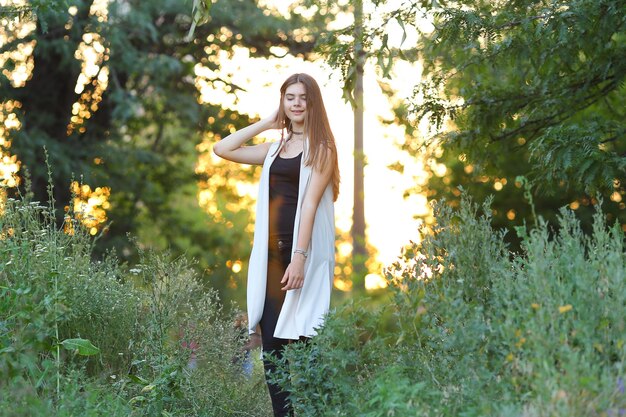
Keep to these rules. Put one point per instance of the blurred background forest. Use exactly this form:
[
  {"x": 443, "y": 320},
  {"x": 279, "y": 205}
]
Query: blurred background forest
[
  {"x": 108, "y": 112},
  {"x": 127, "y": 109}
]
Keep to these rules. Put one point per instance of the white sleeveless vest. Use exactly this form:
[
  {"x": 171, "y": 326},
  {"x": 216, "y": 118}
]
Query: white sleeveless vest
[{"x": 303, "y": 309}]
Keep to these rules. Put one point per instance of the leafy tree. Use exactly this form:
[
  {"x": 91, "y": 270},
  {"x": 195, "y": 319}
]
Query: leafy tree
[
  {"x": 546, "y": 74},
  {"x": 535, "y": 89}
]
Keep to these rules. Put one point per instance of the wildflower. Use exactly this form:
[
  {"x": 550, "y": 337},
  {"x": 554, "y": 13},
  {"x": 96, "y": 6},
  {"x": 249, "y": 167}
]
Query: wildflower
[
  {"x": 565, "y": 308},
  {"x": 560, "y": 395},
  {"x": 535, "y": 306}
]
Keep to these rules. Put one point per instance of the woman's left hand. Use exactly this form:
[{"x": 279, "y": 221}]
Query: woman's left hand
[{"x": 294, "y": 275}]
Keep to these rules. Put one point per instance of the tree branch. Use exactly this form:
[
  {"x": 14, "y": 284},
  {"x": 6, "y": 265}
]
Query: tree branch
[
  {"x": 613, "y": 109},
  {"x": 558, "y": 116},
  {"x": 519, "y": 22}
]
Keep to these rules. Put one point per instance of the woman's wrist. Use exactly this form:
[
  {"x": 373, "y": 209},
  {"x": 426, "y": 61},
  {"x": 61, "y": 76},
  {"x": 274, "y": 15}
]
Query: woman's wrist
[{"x": 303, "y": 254}]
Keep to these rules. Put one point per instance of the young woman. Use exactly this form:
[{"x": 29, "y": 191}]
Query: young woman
[{"x": 290, "y": 274}]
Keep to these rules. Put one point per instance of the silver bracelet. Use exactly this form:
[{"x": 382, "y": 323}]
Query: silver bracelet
[{"x": 302, "y": 252}]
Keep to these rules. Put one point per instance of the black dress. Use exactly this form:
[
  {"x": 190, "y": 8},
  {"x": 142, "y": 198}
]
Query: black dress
[{"x": 283, "y": 201}]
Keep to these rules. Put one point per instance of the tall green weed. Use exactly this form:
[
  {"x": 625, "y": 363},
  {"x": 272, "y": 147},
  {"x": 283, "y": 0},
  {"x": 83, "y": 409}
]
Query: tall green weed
[
  {"x": 158, "y": 342},
  {"x": 479, "y": 331}
]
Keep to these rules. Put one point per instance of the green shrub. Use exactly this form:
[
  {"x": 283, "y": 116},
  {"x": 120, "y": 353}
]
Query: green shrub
[
  {"x": 189, "y": 362},
  {"x": 479, "y": 331},
  {"x": 78, "y": 396},
  {"x": 326, "y": 372},
  {"x": 143, "y": 327}
]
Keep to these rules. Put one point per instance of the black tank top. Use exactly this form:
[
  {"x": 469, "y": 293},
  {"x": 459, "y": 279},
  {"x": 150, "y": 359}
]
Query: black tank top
[{"x": 284, "y": 183}]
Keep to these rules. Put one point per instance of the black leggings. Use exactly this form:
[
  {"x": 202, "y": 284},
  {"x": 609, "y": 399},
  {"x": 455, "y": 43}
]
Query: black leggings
[{"x": 278, "y": 258}]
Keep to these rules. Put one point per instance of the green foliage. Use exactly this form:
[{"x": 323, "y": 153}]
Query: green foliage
[
  {"x": 510, "y": 196},
  {"x": 540, "y": 71},
  {"x": 324, "y": 373},
  {"x": 78, "y": 396},
  {"x": 480, "y": 331},
  {"x": 148, "y": 341},
  {"x": 574, "y": 154},
  {"x": 34, "y": 9}
]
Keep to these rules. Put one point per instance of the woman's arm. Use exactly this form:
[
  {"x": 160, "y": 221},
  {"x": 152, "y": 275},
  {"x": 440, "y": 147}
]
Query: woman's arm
[
  {"x": 232, "y": 149},
  {"x": 294, "y": 275}
]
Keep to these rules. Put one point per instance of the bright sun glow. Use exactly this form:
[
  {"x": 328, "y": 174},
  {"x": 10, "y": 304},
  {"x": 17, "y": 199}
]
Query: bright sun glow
[
  {"x": 90, "y": 206},
  {"x": 12, "y": 29},
  {"x": 92, "y": 55},
  {"x": 375, "y": 282},
  {"x": 9, "y": 165}
]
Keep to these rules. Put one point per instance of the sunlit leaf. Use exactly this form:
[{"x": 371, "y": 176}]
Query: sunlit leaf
[
  {"x": 82, "y": 346},
  {"x": 201, "y": 13}
]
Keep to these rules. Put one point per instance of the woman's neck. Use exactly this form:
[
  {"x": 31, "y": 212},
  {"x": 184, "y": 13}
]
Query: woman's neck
[{"x": 297, "y": 127}]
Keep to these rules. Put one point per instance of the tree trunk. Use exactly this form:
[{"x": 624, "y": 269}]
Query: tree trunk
[{"x": 358, "y": 216}]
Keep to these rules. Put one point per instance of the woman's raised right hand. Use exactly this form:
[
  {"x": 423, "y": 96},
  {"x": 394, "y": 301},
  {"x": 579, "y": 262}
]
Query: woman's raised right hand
[
  {"x": 233, "y": 147},
  {"x": 272, "y": 120}
]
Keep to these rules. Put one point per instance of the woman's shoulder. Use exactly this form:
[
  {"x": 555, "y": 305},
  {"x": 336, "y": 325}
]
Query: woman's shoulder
[
  {"x": 271, "y": 149},
  {"x": 269, "y": 146}
]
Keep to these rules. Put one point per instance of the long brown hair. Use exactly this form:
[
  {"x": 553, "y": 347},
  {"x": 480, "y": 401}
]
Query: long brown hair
[{"x": 322, "y": 148}]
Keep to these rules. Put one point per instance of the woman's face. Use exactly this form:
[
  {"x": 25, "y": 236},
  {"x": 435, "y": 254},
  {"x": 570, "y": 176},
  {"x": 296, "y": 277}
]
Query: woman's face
[{"x": 294, "y": 103}]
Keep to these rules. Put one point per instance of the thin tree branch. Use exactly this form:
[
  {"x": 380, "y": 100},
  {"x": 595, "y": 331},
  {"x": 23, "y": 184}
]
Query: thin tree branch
[
  {"x": 559, "y": 116},
  {"x": 611, "y": 139},
  {"x": 613, "y": 109}
]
